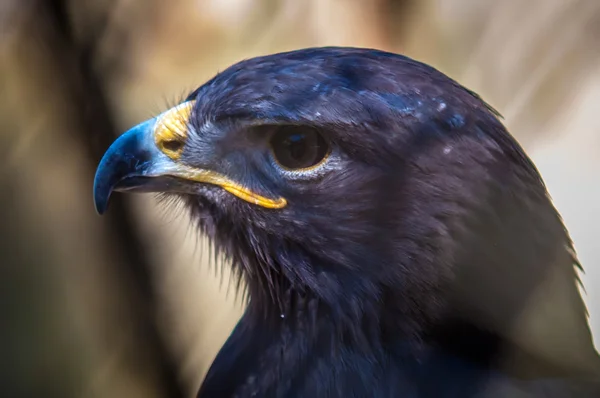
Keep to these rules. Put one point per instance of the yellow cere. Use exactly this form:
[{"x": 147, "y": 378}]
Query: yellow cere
[{"x": 171, "y": 127}]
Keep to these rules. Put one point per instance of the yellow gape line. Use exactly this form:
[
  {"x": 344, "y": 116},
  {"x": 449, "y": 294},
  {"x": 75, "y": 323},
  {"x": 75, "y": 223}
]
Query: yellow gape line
[
  {"x": 214, "y": 178},
  {"x": 251, "y": 197}
]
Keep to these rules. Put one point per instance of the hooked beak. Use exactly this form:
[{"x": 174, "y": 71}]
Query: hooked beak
[{"x": 146, "y": 159}]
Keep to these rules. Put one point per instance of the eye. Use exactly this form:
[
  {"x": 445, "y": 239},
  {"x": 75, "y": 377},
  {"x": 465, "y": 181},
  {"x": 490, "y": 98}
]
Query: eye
[{"x": 297, "y": 148}]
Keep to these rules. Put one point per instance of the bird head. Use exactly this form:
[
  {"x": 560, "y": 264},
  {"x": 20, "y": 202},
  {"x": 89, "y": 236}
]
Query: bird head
[{"x": 367, "y": 180}]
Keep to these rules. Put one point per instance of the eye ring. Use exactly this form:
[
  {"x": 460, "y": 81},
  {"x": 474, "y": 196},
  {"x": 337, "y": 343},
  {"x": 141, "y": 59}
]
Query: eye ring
[{"x": 299, "y": 149}]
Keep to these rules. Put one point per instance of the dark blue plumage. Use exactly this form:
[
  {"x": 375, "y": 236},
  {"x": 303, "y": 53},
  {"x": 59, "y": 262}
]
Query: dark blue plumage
[{"x": 423, "y": 258}]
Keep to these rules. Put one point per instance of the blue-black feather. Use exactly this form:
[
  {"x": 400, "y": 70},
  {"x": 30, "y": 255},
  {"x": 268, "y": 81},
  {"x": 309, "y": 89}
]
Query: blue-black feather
[{"x": 400, "y": 273}]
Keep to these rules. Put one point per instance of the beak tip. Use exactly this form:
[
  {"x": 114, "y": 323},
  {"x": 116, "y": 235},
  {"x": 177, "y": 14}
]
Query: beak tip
[
  {"x": 100, "y": 208},
  {"x": 118, "y": 162},
  {"x": 100, "y": 200}
]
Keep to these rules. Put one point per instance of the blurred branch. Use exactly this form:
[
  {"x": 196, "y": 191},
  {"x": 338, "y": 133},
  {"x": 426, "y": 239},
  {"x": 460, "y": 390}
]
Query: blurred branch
[{"x": 96, "y": 132}]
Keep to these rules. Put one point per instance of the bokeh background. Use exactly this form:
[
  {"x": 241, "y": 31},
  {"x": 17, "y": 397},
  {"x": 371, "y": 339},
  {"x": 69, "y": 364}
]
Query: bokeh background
[{"x": 128, "y": 304}]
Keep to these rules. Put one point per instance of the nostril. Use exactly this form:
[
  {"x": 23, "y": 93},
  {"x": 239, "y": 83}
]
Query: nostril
[{"x": 172, "y": 145}]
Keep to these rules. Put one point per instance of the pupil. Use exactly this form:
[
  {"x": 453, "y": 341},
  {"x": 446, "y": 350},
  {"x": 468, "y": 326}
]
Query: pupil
[{"x": 297, "y": 147}]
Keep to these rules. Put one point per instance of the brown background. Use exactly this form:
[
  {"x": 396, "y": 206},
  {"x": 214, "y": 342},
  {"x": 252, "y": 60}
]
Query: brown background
[{"x": 128, "y": 305}]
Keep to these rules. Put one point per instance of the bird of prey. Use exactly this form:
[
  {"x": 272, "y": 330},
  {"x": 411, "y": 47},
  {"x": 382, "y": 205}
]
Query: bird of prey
[{"x": 394, "y": 239}]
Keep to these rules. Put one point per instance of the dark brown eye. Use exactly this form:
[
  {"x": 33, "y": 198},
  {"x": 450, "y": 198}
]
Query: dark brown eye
[{"x": 298, "y": 147}]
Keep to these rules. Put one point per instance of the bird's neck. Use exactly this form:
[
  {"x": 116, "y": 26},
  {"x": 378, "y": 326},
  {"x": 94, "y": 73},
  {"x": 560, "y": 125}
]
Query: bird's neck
[
  {"x": 357, "y": 321},
  {"x": 300, "y": 312},
  {"x": 377, "y": 327},
  {"x": 273, "y": 352},
  {"x": 285, "y": 343}
]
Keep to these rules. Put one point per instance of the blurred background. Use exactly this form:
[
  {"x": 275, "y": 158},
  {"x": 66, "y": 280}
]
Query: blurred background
[{"x": 127, "y": 305}]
